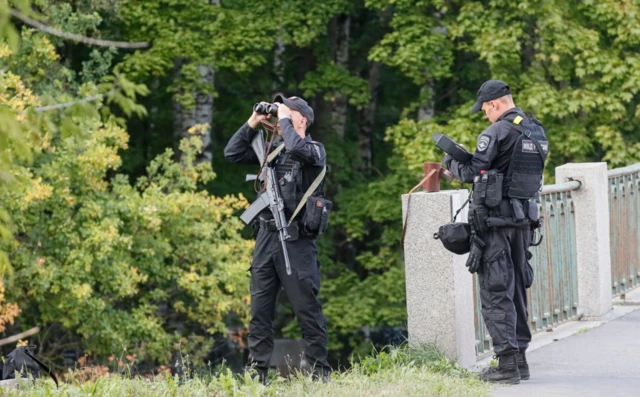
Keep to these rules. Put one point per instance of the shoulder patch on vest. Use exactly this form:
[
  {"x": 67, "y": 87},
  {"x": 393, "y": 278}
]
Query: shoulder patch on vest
[
  {"x": 317, "y": 150},
  {"x": 483, "y": 143}
]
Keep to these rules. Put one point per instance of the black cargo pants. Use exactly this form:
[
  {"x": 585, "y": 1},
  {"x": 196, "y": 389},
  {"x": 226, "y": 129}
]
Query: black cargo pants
[
  {"x": 504, "y": 278},
  {"x": 268, "y": 274}
]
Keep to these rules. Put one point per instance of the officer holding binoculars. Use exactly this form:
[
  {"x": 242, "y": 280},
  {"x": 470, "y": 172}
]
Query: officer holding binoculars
[{"x": 301, "y": 163}]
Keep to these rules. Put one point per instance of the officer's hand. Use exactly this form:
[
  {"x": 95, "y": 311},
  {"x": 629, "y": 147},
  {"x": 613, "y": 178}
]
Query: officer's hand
[
  {"x": 446, "y": 161},
  {"x": 283, "y": 110},
  {"x": 255, "y": 119}
]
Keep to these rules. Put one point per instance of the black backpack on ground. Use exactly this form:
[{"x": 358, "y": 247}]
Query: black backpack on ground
[{"x": 23, "y": 361}]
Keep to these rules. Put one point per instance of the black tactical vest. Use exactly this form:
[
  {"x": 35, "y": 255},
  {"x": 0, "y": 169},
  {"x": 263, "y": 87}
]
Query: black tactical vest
[
  {"x": 294, "y": 179},
  {"x": 524, "y": 178},
  {"x": 287, "y": 172}
]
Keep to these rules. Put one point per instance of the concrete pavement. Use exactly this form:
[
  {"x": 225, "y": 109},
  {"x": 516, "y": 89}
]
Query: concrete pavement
[{"x": 600, "y": 361}]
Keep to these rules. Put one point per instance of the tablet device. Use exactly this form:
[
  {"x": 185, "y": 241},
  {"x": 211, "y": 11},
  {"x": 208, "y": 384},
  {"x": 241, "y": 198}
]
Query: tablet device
[{"x": 451, "y": 147}]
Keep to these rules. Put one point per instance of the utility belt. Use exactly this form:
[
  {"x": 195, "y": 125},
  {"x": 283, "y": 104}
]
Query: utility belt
[
  {"x": 521, "y": 214},
  {"x": 515, "y": 209},
  {"x": 267, "y": 224},
  {"x": 293, "y": 230},
  {"x": 315, "y": 219},
  {"x": 489, "y": 210},
  {"x": 313, "y": 223}
]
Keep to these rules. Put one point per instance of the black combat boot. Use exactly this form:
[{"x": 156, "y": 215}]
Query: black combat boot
[
  {"x": 506, "y": 371},
  {"x": 523, "y": 367},
  {"x": 321, "y": 375},
  {"x": 259, "y": 373}
]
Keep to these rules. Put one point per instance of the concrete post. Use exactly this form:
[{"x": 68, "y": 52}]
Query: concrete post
[
  {"x": 593, "y": 246},
  {"x": 439, "y": 287}
]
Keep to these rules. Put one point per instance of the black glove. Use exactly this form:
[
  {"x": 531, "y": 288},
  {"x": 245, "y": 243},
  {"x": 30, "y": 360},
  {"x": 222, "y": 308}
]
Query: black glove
[
  {"x": 446, "y": 161},
  {"x": 475, "y": 255}
]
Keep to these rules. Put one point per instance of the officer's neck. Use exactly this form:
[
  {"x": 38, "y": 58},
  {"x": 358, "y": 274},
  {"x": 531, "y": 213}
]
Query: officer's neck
[
  {"x": 300, "y": 132},
  {"x": 508, "y": 110},
  {"x": 280, "y": 138}
]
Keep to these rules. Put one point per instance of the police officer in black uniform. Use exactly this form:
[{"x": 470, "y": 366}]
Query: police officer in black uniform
[
  {"x": 297, "y": 167},
  {"x": 508, "y": 151}
]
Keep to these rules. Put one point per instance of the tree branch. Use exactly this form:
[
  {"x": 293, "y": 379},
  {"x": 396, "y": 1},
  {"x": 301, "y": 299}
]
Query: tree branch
[
  {"x": 76, "y": 37},
  {"x": 19, "y": 336},
  {"x": 67, "y": 104}
]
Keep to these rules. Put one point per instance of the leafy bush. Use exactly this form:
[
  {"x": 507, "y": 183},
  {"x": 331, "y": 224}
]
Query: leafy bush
[{"x": 101, "y": 264}]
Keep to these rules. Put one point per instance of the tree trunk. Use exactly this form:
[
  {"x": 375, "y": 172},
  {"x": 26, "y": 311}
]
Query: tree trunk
[
  {"x": 427, "y": 93},
  {"x": 427, "y": 96},
  {"x": 367, "y": 118},
  {"x": 342, "y": 25},
  {"x": 200, "y": 113},
  {"x": 278, "y": 66}
]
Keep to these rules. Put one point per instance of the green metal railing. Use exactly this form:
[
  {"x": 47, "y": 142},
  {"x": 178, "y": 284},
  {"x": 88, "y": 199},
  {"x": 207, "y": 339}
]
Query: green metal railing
[
  {"x": 553, "y": 297},
  {"x": 624, "y": 217}
]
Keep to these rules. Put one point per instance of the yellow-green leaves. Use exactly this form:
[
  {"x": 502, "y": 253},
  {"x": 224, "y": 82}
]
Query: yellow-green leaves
[{"x": 96, "y": 247}]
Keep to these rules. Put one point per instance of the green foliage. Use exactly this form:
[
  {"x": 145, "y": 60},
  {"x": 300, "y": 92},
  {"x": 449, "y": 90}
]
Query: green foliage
[
  {"x": 579, "y": 75},
  {"x": 98, "y": 65},
  {"x": 62, "y": 15},
  {"x": 426, "y": 356},
  {"x": 101, "y": 256},
  {"x": 8, "y": 31},
  {"x": 116, "y": 265},
  {"x": 303, "y": 22},
  {"x": 399, "y": 372},
  {"x": 331, "y": 78},
  {"x": 418, "y": 46},
  {"x": 573, "y": 65},
  {"x": 197, "y": 31}
]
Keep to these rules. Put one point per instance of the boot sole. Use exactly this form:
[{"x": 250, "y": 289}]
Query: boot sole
[
  {"x": 508, "y": 381},
  {"x": 525, "y": 377}
]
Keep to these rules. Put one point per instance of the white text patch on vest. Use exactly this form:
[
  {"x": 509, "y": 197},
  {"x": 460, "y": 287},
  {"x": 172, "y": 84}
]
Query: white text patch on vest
[{"x": 529, "y": 147}]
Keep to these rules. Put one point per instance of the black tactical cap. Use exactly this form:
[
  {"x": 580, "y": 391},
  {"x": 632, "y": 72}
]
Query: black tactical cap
[
  {"x": 297, "y": 103},
  {"x": 490, "y": 90}
]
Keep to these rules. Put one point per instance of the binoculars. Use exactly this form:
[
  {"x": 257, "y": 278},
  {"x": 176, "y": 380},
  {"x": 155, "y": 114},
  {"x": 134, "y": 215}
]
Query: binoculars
[{"x": 270, "y": 108}]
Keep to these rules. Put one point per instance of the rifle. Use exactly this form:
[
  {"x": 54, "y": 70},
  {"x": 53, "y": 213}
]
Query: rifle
[{"x": 271, "y": 198}]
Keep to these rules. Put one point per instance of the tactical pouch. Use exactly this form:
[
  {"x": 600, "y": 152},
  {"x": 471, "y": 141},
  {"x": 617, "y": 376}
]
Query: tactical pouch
[
  {"x": 255, "y": 225},
  {"x": 479, "y": 189},
  {"x": 532, "y": 211},
  {"x": 478, "y": 215},
  {"x": 456, "y": 237},
  {"x": 528, "y": 274},
  {"x": 316, "y": 218},
  {"x": 518, "y": 209},
  {"x": 487, "y": 188},
  {"x": 536, "y": 223},
  {"x": 534, "y": 218},
  {"x": 289, "y": 192}
]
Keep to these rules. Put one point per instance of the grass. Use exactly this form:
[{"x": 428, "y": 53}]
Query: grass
[
  {"x": 581, "y": 331},
  {"x": 395, "y": 372}
]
